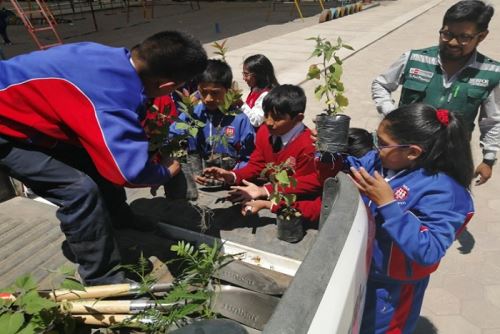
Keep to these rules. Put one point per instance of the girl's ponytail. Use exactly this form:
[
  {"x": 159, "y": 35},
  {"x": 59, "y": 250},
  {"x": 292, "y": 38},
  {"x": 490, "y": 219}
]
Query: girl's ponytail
[
  {"x": 451, "y": 152},
  {"x": 442, "y": 136}
]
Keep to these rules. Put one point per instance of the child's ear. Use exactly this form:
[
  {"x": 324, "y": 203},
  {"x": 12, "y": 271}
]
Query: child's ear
[
  {"x": 299, "y": 117},
  {"x": 414, "y": 152}
]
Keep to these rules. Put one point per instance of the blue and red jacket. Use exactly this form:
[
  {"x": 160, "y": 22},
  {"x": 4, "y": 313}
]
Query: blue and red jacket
[
  {"x": 239, "y": 133},
  {"x": 83, "y": 94},
  {"x": 414, "y": 231}
]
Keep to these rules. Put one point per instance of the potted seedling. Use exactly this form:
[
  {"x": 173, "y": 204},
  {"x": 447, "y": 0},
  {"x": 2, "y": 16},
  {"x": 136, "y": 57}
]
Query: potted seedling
[
  {"x": 288, "y": 219},
  {"x": 182, "y": 186},
  {"x": 332, "y": 126},
  {"x": 229, "y": 107}
]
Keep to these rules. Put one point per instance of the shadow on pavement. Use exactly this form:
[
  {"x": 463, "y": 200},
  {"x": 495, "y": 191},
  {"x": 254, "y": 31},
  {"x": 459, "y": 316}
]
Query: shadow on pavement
[
  {"x": 425, "y": 326},
  {"x": 466, "y": 241}
]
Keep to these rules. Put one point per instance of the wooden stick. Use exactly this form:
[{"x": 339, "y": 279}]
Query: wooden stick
[
  {"x": 102, "y": 291},
  {"x": 101, "y": 319}
]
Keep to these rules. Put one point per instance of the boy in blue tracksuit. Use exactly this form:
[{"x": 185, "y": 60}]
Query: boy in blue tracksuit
[
  {"x": 237, "y": 130},
  {"x": 415, "y": 184}
]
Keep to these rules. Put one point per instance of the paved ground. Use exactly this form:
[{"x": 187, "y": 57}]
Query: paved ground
[{"x": 464, "y": 294}]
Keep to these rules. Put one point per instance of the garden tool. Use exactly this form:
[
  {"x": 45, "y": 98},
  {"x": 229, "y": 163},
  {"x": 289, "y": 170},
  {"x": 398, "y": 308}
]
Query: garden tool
[
  {"x": 103, "y": 291},
  {"x": 254, "y": 278},
  {"x": 247, "y": 307}
]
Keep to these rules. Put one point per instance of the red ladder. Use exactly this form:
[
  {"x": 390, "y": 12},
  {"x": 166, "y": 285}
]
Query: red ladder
[{"x": 45, "y": 15}]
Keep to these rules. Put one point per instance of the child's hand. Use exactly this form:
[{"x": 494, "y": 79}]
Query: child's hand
[
  {"x": 200, "y": 179},
  {"x": 252, "y": 207},
  {"x": 246, "y": 193},
  {"x": 374, "y": 187},
  {"x": 220, "y": 174},
  {"x": 173, "y": 166}
]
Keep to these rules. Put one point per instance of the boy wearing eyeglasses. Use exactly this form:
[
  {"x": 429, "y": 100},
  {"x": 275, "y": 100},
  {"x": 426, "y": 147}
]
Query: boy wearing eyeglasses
[{"x": 453, "y": 76}]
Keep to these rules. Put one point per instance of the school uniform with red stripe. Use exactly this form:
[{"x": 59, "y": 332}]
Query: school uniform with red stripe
[
  {"x": 412, "y": 235},
  {"x": 51, "y": 96},
  {"x": 300, "y": 154}
]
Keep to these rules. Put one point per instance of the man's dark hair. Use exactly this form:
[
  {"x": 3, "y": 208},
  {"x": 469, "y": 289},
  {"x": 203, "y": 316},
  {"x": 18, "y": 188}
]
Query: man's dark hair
[
  {"x": 285, "y": 100},
  {"x": 217, "y": 72},
  {"x": 173, "y": 55},
  {"x": 475, "y": 11}
]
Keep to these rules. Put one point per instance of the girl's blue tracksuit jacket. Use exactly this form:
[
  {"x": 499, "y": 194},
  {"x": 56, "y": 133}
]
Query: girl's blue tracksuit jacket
[{"x": 412, "y": 235}]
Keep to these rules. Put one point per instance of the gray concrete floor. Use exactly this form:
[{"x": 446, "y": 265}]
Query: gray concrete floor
[{"x": 464, "y": 294}]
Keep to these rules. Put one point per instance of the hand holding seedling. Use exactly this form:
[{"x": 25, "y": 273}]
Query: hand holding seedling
[
  {"x": 247, "y": 192},
  {"x": 215, "y": 173},
  {"x": 374, "y": 187}
]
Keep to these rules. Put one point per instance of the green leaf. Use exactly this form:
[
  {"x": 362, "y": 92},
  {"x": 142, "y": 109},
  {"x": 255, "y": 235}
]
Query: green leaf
[
  {"x": 72, "y": 284},
  {"x": 342, "y": 100},
  {"x": 319, "y": 91},
  {"x": 224, "y": 141},
  {"x": 67, "y": 270},
  {"x": 30, "y": 328},
  {"x": 193, "y": 132},
  {"x": 26, "y": 282},
  {"x": 181, "y": 126},
  {"x": 282, "y": 178},
  {"x": 314, "y": 72},
  {"x": 33, "y": 303},
  {"x": 347, "y": 46},
  {"x": 199, "y": 124},
  {"x": 10, "y": 323}
]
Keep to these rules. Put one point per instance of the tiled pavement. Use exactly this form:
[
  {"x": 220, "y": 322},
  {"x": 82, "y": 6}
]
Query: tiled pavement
[{"x": 464, "y": 294}]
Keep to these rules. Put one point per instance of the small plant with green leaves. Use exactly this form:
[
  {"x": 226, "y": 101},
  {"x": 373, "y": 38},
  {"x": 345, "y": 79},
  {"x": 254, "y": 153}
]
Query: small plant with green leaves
[
  {"x": 220, "y": 49},
  {"x": 329, "y": 72},
  {"x": 176, "y": 147},
  {"x": 192, "y": 291},
  {"x": 281, "y": 177},
  {"x": 228, "y": 108},
  {"x": 30, "y": 312}
]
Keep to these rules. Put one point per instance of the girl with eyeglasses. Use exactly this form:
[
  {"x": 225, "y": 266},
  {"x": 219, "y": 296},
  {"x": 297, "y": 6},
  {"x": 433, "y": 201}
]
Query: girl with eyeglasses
[
  {"x": 416, "y": 185},
  {"x": 258, "y": 73}
]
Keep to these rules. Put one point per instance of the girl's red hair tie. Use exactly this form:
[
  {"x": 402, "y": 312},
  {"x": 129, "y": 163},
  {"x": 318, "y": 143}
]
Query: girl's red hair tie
[{"x": 443, "y": 116}]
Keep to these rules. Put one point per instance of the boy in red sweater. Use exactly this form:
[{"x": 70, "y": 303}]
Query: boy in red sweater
[{"x": 284, "y": 137}]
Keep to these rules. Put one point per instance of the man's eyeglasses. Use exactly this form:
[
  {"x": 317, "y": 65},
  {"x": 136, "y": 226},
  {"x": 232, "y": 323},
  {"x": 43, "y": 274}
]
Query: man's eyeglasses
[
  {"x": 462, "y": 39},
  {"x": 381, "y": 147}
]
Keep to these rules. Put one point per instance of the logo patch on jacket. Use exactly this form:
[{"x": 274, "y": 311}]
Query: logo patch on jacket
[
  {"x": 401, "y": 193},
  {"x": 419, "y": 74},
  {"x": 479, "y": 82},
  {"x": 229, "y": 132}
]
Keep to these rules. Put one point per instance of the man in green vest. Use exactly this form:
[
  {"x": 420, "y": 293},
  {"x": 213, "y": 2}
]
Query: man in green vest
[{"x": 453, "y": 76}]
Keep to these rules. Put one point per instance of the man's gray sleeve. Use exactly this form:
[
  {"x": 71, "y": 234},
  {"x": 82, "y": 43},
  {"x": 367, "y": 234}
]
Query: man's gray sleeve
[
  {"x": 489, "y": 124},
  {"x": 388, "y": 82}
]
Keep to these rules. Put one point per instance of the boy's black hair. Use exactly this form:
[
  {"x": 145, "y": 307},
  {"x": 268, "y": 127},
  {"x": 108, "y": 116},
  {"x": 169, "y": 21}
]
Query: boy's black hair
[
  {"x": 285, "y": 100},
  {"x": 359, "y": 142},
  {"x": 262, "y": 68},
  {"x": 446, "y": 148},
  {"x": 475, "y": 11},
  {"x": 173, "y": 55},
  {"x": 217, "y": 72}
]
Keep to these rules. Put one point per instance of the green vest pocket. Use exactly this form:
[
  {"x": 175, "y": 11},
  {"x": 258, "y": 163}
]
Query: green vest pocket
[{"x": 413, "y": 91}]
